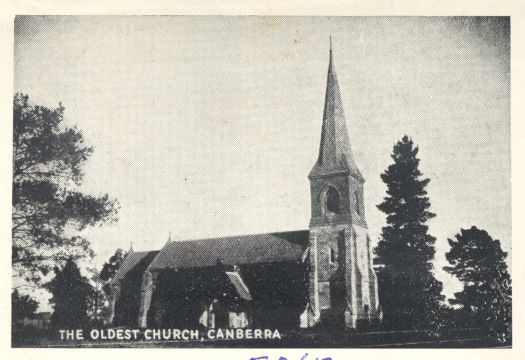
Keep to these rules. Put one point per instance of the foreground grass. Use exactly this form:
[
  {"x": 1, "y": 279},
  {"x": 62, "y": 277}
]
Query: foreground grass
[{"x": 319, "y": 338}]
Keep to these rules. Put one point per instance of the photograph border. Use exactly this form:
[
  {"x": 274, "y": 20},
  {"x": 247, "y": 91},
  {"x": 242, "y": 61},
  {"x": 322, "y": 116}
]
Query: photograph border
[{"x": 275, "y": 8}]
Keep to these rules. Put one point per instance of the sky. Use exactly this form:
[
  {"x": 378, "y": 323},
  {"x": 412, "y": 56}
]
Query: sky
[{"x": 208, "y": 126}]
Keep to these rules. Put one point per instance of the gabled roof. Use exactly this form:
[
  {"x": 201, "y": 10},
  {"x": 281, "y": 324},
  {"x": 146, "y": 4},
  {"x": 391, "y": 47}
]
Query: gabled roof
[
  {"x": 132, "y": 261},
  {"x": 335, "y": 152},
  {"x": 234, "y": 250}
]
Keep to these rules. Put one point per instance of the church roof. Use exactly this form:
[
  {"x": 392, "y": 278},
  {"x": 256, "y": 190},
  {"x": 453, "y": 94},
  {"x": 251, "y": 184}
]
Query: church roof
[
  {"x": 233, "y": 250},
  {"x": 335, "y": 152},
  {"x": 132, "y": 261}
]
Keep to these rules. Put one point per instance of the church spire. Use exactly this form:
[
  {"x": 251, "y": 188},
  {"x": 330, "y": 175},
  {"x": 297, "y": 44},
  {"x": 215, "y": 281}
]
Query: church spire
[{"x": 335, "y": 152}]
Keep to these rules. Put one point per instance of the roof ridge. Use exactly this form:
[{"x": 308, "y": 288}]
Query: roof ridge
[
  {"x": 237, "y": 236},
  {"x": 143, "y": 251}
]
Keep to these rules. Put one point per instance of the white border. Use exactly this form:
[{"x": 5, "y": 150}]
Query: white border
[{"x": 516, "y": 9}]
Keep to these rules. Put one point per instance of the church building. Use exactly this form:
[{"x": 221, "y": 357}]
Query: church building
[{"x": 319, "y": 276}]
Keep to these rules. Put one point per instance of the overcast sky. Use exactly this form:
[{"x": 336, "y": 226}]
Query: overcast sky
[{"x": 209, "y": 126}]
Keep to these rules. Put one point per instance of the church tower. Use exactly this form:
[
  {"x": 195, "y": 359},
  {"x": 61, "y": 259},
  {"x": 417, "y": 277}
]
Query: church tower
[{"x": 342, "y": 282}]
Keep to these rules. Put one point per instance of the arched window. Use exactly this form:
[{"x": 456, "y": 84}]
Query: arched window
[
  {"x": 357, "y": 202},
  {"x": 333, "y": 257},
  {"x": 333, "y": 201}
]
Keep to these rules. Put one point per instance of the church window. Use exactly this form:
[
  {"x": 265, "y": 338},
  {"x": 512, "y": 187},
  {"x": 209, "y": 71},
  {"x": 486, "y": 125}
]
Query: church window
[
  {"x": 333, "y": 256},
  {"x": 357, "y": 202},
  {"x": 333, "y": 201}
]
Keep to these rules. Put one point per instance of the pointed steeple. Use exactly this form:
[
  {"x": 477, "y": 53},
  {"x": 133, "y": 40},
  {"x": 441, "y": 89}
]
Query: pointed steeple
[{"x": 335, "y": 152}]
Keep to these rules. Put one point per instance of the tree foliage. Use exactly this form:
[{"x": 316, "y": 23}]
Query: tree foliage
[
  {"x": 22, "y": 306},
  {"x": 47, "y": 170},
  {"x": 110, "y": 268},
  {"x": 478, "y": 261},
  {"x": 409, "y": 293},
  {"x": 71, "y": 297}
]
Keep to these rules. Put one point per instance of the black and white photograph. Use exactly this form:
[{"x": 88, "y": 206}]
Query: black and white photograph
[{"x": 324, "y": 182}]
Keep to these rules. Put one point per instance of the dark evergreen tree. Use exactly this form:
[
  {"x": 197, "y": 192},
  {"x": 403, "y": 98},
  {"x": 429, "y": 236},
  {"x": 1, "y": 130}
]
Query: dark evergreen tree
[
  {"x": 110, "y": 268},
  {"x": 22, "y": 306},
  {"x": 71, "y": 295},
  {"x": 47, "y": 169},
  {"x": 486, "y": 299},
  {"x": 408, "y": 292}
]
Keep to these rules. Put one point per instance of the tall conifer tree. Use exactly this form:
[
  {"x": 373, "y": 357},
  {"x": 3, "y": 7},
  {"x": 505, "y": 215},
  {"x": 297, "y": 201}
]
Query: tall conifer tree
[
  {"x": 409, "y": 293},
  {"x": 478, "y": 261}
]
